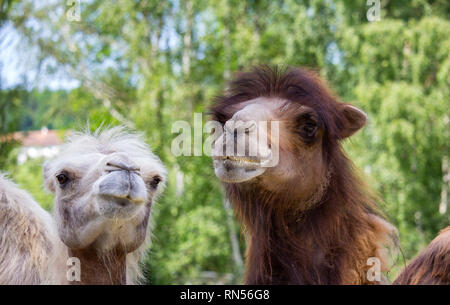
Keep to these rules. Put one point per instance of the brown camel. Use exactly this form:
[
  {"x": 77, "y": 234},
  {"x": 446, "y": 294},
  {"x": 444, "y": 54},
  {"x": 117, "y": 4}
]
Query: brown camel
[
  {"x": 309, "y": 218},
  {"x": 105, "y": 184},
  {"x": 431, "y": 266}
]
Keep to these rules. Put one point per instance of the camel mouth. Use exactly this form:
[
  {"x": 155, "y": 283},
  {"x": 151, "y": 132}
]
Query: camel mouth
[
  {"x": 238, "y": 161},
  {"x": 123, "y": 201},
  {"x": 118, "y": 207},
  {"x": 233, "y": 169},
  {"x": 238, "y": 158}
]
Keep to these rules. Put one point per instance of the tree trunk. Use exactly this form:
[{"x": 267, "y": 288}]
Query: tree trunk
[{"x": 237, "y": 256}]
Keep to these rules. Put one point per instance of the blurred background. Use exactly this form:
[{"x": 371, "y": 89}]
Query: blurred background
[{"x": 147, "y": 64}]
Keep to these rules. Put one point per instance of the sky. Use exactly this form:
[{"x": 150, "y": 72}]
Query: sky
[{"x": 18, "y": 62}]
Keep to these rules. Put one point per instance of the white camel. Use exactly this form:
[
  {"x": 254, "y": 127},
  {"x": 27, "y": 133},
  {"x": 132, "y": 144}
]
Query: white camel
[{"x": 105, "y": 184}]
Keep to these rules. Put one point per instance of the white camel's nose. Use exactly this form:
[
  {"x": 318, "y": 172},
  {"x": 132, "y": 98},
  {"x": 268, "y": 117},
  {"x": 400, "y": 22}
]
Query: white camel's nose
[
  {"x": 124, "y": 185},
  {"x": 122, "y": 182}
]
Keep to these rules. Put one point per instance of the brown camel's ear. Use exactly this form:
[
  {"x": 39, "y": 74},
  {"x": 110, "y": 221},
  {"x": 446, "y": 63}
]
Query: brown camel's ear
[
  {"x": 354, "y": 119},
  {"x": 48, "y": 181}
]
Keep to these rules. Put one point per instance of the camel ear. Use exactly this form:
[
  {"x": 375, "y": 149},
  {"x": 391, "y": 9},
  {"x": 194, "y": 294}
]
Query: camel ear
[
  {"x": 354, "y": 120},
  {"x": 48, "y": 181}
]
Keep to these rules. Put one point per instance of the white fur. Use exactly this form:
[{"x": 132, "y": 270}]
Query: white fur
[{"x": 31, "y": 251}]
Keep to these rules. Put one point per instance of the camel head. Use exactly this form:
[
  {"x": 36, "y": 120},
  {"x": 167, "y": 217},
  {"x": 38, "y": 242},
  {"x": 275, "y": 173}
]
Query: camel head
[
  {"x": 104, "y": 185},
  {"x": 287, "y": 127}
]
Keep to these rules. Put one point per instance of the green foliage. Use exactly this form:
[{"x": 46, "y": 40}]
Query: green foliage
[
  {"x": 29, "y": 177},
  {"x": 405, "y": 92},
  {"x": 10, "y": 112}
]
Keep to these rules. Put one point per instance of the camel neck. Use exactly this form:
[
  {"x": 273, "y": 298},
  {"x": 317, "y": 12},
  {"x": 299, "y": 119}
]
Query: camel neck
[
  {"x": 100, "y": 269},
  {"x": 285, "y": 245},
  {"x": 309, "y": 246},
  {"x": 283, "y": 250}
]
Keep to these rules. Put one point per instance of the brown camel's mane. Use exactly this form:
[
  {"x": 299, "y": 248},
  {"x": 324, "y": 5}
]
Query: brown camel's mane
[
  {"x": 431, "y": 266},
  {"x": 330, "y": 241}
]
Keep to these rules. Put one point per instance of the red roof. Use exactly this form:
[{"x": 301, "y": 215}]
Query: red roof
[{"x": 43, "y": 137}]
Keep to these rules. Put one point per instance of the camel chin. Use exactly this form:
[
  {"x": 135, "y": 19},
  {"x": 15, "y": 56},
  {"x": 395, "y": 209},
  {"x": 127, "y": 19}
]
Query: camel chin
[{"x": 237, "y": 170}]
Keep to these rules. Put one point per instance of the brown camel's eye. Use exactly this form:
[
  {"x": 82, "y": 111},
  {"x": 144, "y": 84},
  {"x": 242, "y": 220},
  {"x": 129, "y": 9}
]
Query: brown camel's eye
[
  {"x": 309, "y": 129},
  {"x": 155, "y": 181},
  {"x": 62, "y": 179}
]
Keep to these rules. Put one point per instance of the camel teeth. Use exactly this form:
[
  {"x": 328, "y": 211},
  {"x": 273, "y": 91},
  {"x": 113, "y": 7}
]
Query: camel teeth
[{"x": 239, "y": 159}]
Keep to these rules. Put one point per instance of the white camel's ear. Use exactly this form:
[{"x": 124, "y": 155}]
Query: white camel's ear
[
  {"x": 354, "y": 120},
  {"x": 48, "y": 179}
]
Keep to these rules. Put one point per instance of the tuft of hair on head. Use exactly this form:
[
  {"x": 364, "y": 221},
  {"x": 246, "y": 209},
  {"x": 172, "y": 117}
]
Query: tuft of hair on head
[{"x": 107, "y": 139}]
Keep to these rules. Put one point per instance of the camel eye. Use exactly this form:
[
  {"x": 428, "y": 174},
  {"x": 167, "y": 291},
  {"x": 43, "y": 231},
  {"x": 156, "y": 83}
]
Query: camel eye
[
  {"x": 62, "y": 179},
  {"x": 309, "y": 129},
  {"x": 155, "y": 181}
]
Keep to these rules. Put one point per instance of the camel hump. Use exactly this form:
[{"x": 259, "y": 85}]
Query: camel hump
[
  {"x": 27, "y": 237},
  {"x": 431, "y": 266}
]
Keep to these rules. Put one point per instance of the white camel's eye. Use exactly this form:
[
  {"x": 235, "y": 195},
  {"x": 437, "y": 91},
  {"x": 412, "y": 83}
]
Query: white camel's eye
[
  {"x": 155, "y": 181},
  {"x": 62, "y": 179}
]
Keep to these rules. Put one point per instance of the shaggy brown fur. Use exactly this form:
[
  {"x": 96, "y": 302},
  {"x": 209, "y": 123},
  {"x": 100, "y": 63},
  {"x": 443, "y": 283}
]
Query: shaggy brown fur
[
  {"x": 328, "y": 241},
  {"x": 431, "y": 266},
  {"x": 98, "y": 269}
]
